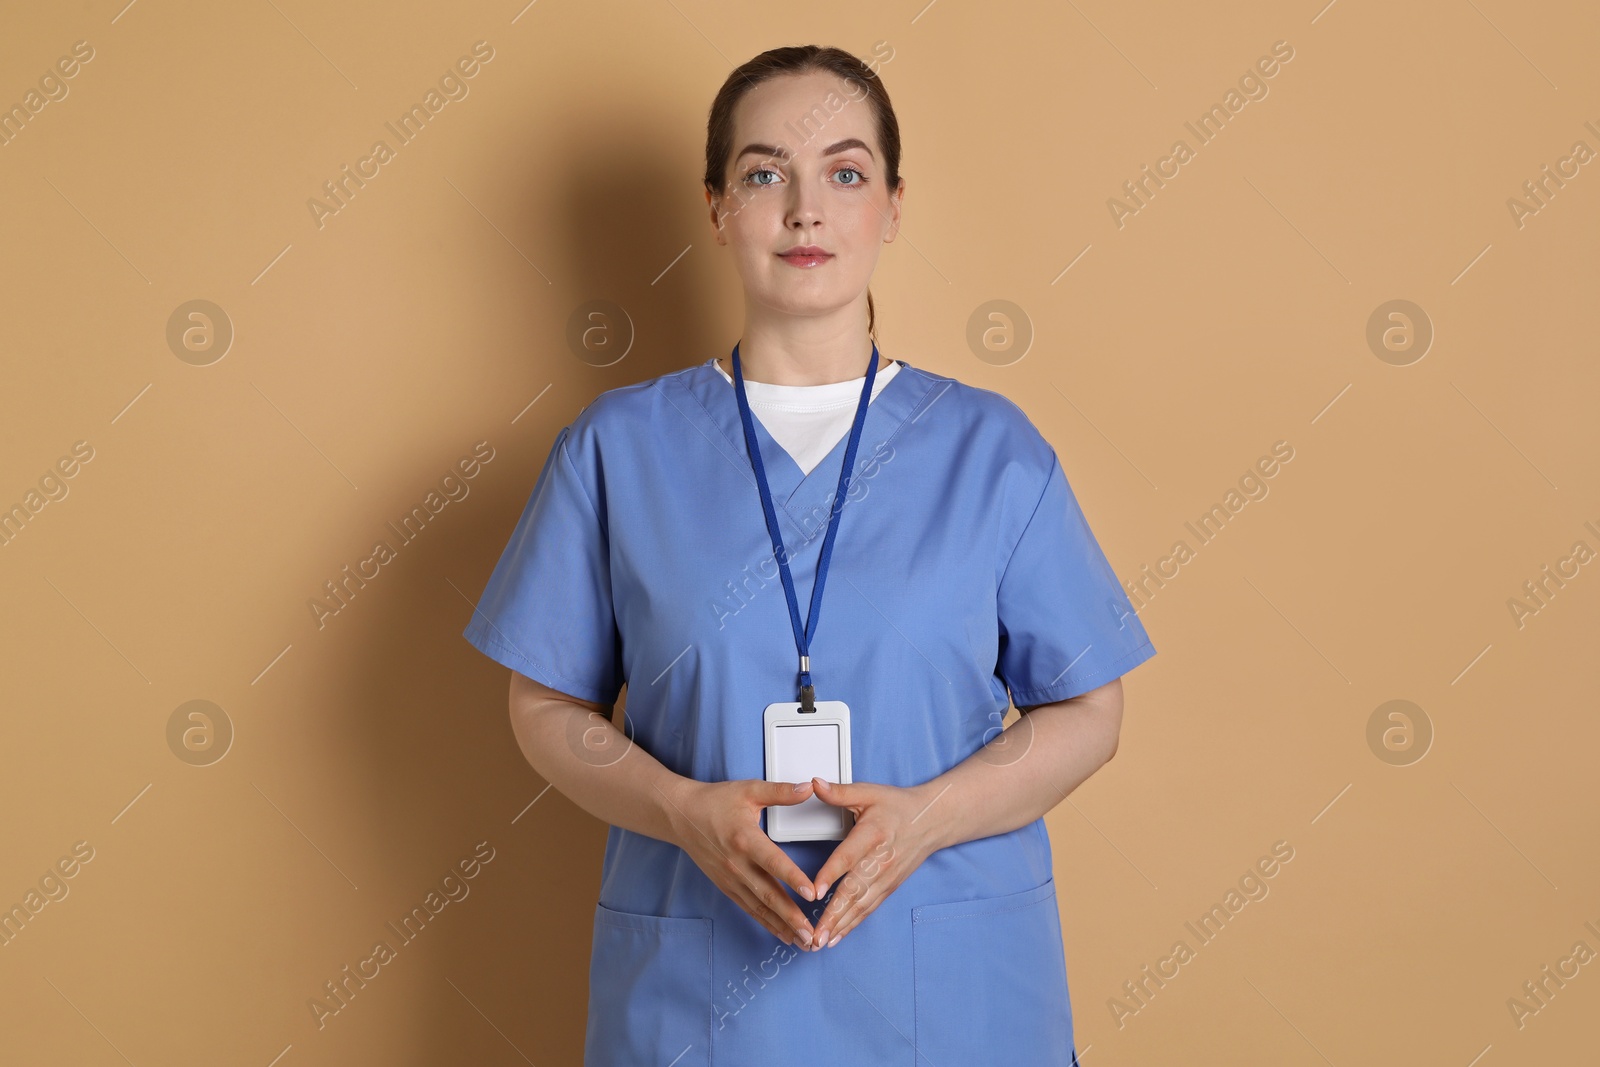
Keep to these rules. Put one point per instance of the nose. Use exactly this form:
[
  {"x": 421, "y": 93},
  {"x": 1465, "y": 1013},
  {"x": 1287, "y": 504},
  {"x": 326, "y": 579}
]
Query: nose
[{"x": 804, "y": 205}]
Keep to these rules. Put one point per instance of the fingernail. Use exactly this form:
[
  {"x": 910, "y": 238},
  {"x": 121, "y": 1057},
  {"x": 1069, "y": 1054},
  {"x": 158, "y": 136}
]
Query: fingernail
[
  {"x": 822, "y": 890},
  {"x": 805, "y": 891},
  {"x": 805, "y": 938},
  {"x": 800, "y": 787},
  {"x": 835, "y": 940}
]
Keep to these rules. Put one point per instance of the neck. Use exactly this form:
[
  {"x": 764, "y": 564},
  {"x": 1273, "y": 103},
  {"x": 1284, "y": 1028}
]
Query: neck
[{"x": 790, "y": 368}]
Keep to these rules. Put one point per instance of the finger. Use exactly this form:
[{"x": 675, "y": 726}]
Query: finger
[
  {"x": 775, "y": 859},
  {"x": 740, "y": 894},
  {"x": 863, "y": 886},
  {"x": 771, "y": 893},
  {"x": 737, "y": 882},
  {"x": 765, "y": 852},
  {"x": 851, "y": 886},
  {"x": 846, "y": 854},
  {"x": 770, "y": 867},
  {"x": 783, "y": 792},
  {"x": 752, "y": 887},
  {"x": 776, "y": 862},
  {"x": 739, "y": 879},
  {"x": 762, "y": 911},
  {"x": 841, "y": 794},
  {"x": 851, "y": 922},
  {"x": 768, "y": 903},
  {"x": 858, "y": 906}
]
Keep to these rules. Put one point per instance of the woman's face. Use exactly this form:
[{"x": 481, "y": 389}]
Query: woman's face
[{"x": 807, "y": 171}]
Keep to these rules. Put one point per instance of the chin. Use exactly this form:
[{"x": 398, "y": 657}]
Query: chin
[
  {"x": 801, "y": 295},
  {"x": 793, "y": 304}
]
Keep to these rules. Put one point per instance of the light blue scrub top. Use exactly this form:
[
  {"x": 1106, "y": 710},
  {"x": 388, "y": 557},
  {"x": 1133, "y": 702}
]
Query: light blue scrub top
[{"x": 963, "y": 567}]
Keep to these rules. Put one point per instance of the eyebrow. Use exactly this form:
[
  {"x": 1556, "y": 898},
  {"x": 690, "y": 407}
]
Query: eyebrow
[{"x": 832, "y": 150}]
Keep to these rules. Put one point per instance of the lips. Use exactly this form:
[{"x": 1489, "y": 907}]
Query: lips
[{"x": 806, "y": 255}]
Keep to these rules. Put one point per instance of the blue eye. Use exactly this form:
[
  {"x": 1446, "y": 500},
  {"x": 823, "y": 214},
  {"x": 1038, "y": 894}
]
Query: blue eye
[{"x": 751, "y": 178}]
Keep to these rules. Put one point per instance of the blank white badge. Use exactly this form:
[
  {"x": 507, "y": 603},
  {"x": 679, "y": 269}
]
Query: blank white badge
[{"x": 798, "y": 747}]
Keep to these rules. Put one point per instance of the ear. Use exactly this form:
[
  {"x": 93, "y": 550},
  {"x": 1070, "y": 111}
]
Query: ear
[
  {"x": 895, "y": 199},
  {"x": 714, "y": 204}
]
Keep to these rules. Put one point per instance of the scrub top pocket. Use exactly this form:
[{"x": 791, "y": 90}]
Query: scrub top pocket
[
  {"x": 649, "y": 990},
  {"x": 991, "y": 981}
]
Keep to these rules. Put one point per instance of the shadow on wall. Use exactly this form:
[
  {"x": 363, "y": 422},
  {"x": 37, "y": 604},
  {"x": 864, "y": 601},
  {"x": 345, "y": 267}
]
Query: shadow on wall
[{"x": 428, "y": 716}]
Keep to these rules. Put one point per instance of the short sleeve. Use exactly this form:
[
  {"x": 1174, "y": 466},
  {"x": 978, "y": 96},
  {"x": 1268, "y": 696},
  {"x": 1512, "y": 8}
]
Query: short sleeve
[
  {"x": 547, "y": 610},
  {"x": 1066, "y": 626}
]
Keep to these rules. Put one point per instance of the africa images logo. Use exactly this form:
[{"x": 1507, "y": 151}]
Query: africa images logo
[
  {"x": 453, "y": 486},
  {"x": 453, "y": 887}
]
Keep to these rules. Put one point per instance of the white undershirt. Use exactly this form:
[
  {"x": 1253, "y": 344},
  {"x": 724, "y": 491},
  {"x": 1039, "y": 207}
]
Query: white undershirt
[{"x": 808, "y": 420}]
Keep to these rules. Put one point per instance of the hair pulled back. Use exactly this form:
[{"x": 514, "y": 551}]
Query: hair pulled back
[{"x": 801, "y": 59}]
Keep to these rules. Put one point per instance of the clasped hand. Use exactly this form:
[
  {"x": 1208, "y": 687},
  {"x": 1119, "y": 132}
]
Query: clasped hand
[{"x": 718, "y": 825}]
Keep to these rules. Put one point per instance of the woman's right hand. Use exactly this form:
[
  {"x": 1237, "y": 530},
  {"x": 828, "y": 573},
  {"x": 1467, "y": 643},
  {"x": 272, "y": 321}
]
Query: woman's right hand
[{"x": 718, "y": 825}]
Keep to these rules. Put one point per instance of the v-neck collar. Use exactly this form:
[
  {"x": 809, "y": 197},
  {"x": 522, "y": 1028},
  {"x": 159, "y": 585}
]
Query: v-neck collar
[{"x": 794, "y": 491}]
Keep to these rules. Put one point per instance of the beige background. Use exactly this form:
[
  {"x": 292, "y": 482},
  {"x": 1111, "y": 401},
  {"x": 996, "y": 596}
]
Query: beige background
[{"x": 372, "y": 754}]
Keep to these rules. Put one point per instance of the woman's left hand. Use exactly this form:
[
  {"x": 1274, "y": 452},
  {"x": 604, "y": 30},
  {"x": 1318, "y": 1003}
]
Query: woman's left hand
[{"x": 887, "y": 843}]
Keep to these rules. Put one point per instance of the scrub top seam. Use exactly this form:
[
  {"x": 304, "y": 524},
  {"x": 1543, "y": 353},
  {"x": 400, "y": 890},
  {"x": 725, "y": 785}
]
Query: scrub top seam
[
  {"x": 980, "y": 907},
  {"x": 805, "y": 405},
  {"x": 539, "y": 671},
  {"x": 786, "y": 507},
  {"x": 1055, "y": 461},
  {"x": 742, "y": 467},
  {"x": 915, "y": 404},
  {"x": 744, "y": 470},
  {"x": 1083, "y": 683},
  {"x": 573, "y": 467},
  {"x": 899, "y": 428}
]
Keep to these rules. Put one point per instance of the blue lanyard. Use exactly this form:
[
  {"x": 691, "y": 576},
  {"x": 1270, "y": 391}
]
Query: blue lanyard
[{"x": 802, "y": 638}]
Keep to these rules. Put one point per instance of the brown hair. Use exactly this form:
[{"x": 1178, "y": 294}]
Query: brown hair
[{"x": 800, "y": 59}]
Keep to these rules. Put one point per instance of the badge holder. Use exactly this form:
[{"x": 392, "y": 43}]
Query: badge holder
[{"x": 800, "y": 745}]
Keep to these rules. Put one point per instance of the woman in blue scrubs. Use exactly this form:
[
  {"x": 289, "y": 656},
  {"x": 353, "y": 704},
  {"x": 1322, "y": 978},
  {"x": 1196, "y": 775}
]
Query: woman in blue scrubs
[{"x": 959, "y": 578}]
